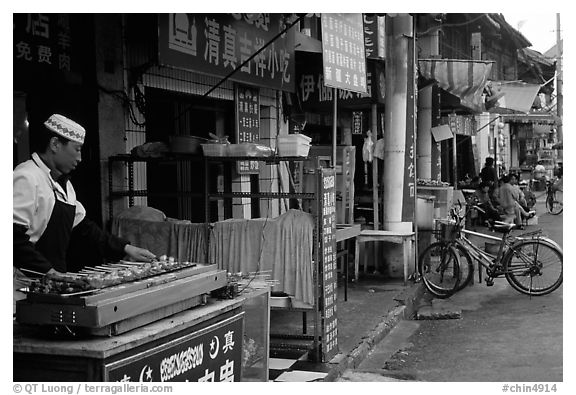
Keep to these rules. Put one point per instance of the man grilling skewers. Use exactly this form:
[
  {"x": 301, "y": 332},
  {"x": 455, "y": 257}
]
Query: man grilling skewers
[{"x": 46, "y": 214}]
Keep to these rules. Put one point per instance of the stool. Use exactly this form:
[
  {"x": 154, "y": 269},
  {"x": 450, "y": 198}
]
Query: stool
[{"x": 407, "y": 239}]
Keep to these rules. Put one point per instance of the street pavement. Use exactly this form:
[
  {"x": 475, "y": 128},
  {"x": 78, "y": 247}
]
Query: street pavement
[{"x": 488, "y": 334}]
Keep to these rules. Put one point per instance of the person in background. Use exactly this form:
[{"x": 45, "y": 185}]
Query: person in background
[
  {"x": 482, "y": 196},
  {"x": 509, "y": 198},
  {"x": 47, "y": 215},
  {"x": 488, "y": 172}
]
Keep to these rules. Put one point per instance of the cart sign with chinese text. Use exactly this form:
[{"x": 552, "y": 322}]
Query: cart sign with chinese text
[
  {"x": 343, "y": 56},
  {"x": 43, "y": 39},
  {"x": 210, "y": 354},
  {"x": 328, "y": 263},
  {"x": 216, "y": 44},
  {"x": 247, "y": 122}
]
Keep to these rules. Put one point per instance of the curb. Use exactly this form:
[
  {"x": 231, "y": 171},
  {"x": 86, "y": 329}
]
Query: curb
[{"x": 408, "y": 301}]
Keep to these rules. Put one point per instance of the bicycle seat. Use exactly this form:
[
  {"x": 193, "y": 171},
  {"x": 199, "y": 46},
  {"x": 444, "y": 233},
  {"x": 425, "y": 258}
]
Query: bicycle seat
[{"x": 502, "y": 227}]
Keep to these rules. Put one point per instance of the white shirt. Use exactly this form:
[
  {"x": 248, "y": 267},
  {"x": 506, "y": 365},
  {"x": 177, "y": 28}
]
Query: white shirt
[{"x": 33, "y": 192}]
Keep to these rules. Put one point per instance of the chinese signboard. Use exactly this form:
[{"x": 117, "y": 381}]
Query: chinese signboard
[
  {"x": 43, "y": 39},
  {"x": 409, "y": 195},
  {"x": 343, "y": 56},
  {"x": 459, "y": 124},
  {"x": 374, "y": 36},
  {"x": 314, "y": 94},
  {"x": 328, "y": 263},
  {"x": 216, "y": 44},
  {"x": 356, "y": 122},
  {"x": 247, "y": 122},
  {"x": 210, "y": 354}
]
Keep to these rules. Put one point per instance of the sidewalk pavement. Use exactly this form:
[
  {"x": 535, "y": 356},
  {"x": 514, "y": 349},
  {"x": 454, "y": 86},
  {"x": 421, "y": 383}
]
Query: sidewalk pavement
[{"x": 374, "y": 307}]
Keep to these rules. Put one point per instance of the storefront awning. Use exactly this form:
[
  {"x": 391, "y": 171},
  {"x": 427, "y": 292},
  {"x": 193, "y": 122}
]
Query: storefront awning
[
  {"x": 517, "y": 96},
  {"x": 539, "y": 118},
  {"x": 465, "y": 79}
]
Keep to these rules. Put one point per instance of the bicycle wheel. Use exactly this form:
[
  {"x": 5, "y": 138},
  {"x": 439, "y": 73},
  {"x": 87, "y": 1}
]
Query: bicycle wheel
[
  {"x": 466, "y": 267},
  {"x": 554, "y": 202},
  {"x": 439, "y": 268},
  {"x": 533, "y": 267}
]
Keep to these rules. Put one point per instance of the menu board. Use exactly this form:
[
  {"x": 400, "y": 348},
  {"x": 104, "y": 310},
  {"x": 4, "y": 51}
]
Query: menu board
[
  {"x": 343, "y": 52},
  {"x": 327, "y": 216},
  {"x": 247, "y": 123}
]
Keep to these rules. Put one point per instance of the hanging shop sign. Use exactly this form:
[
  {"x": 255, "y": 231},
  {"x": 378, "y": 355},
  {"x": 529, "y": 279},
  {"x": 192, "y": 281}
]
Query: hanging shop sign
[
  {"x": 343, "y": 55},
  {"x": 328, "y": 263},
  {"x": 210, "y": 354},
  {"x": 247, "y": 101},
  {"x": 374, "y": 36},
  {"x": 43, "y": 40},
  {"x": 357, "y": 122},
  {"x": 461, "y": 124},
  {"x": 313, "y": 93},
  {"x": 216, "y": 44}
]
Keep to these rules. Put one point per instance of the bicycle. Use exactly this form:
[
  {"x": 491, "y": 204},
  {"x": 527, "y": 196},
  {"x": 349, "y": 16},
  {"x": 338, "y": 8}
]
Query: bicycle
[
  {"x": 554, "y": 197},
  {"x": 527, "y": 260}
]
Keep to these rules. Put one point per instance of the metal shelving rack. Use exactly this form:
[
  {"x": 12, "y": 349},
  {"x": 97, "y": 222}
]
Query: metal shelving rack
[
  {"x": 129, "y": 191},
  {"x": 274, "y": 160}
]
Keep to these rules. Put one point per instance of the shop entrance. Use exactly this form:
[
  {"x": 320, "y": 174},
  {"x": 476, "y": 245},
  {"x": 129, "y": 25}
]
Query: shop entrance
[{"x": 177, "y": 188}]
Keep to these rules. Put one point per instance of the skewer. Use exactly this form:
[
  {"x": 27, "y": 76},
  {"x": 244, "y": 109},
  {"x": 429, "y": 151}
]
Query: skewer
[{"x": 33, "y": 272}]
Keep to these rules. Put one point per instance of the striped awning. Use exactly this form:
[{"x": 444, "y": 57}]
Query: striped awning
[{"x": 465, "y": 79}]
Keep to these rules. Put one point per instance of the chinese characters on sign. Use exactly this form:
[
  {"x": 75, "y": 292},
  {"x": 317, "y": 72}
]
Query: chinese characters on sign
[
  {"x": 328, "y": 264},
  {"x": 374, "y": 36},
  {"x": 217, "y": 44},
  {"x": 247, "y": 122},
  {"x": 343, "y": 56},
  {"x": 211, "y": 354},
  {"x": 43, "y": 39},
  {"x": 356, "y": 122}
]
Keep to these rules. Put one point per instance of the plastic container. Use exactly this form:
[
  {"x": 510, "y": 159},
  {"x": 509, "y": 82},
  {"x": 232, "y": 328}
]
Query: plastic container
[
  {"x": 215, "y": 149},
  {"x": 293, "y": 145},
  {"x": 290, "y": 149}
]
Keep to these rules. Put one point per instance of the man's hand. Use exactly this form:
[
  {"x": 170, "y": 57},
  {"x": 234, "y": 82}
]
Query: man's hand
[{"x": 138, "y": 254}]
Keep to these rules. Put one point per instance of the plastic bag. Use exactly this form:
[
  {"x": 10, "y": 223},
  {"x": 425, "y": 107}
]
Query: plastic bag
[{"x": 368, "y": 148}]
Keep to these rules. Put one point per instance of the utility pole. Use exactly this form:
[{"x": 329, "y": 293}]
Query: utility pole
[{"x": 559, "y": 79}]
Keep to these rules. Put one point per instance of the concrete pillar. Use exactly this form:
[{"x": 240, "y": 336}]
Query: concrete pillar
[{"x": 398, "y": 32}]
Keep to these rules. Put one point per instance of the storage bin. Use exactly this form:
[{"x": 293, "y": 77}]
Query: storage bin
[
  {"x": 425, "y": 212},
  {"x": 293, "y": 145}
]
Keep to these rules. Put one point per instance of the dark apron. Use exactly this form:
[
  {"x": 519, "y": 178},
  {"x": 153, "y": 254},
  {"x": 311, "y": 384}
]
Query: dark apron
[{"x": 53, "y": 243}]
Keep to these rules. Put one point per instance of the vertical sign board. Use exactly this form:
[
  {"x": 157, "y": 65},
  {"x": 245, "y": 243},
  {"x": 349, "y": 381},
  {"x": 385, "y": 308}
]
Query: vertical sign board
[
  {"x": 247, "y": 101},
  {"x": 217, "y": 44},
  {"x": 343, "y": 54},
  {"x": 210, "y": 354},
  {"x": 356, "y": 122},
  {"x": 409, "y": 203},
  {"x": 327, "y": 216},
  {"x": 374, "y": 36}
]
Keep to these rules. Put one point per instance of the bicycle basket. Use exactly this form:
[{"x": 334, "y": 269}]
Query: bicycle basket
[{"x": 447, "y": 231}]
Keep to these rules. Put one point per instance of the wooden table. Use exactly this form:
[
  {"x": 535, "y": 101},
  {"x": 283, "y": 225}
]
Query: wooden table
[{"x": 407, "y": 239}]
